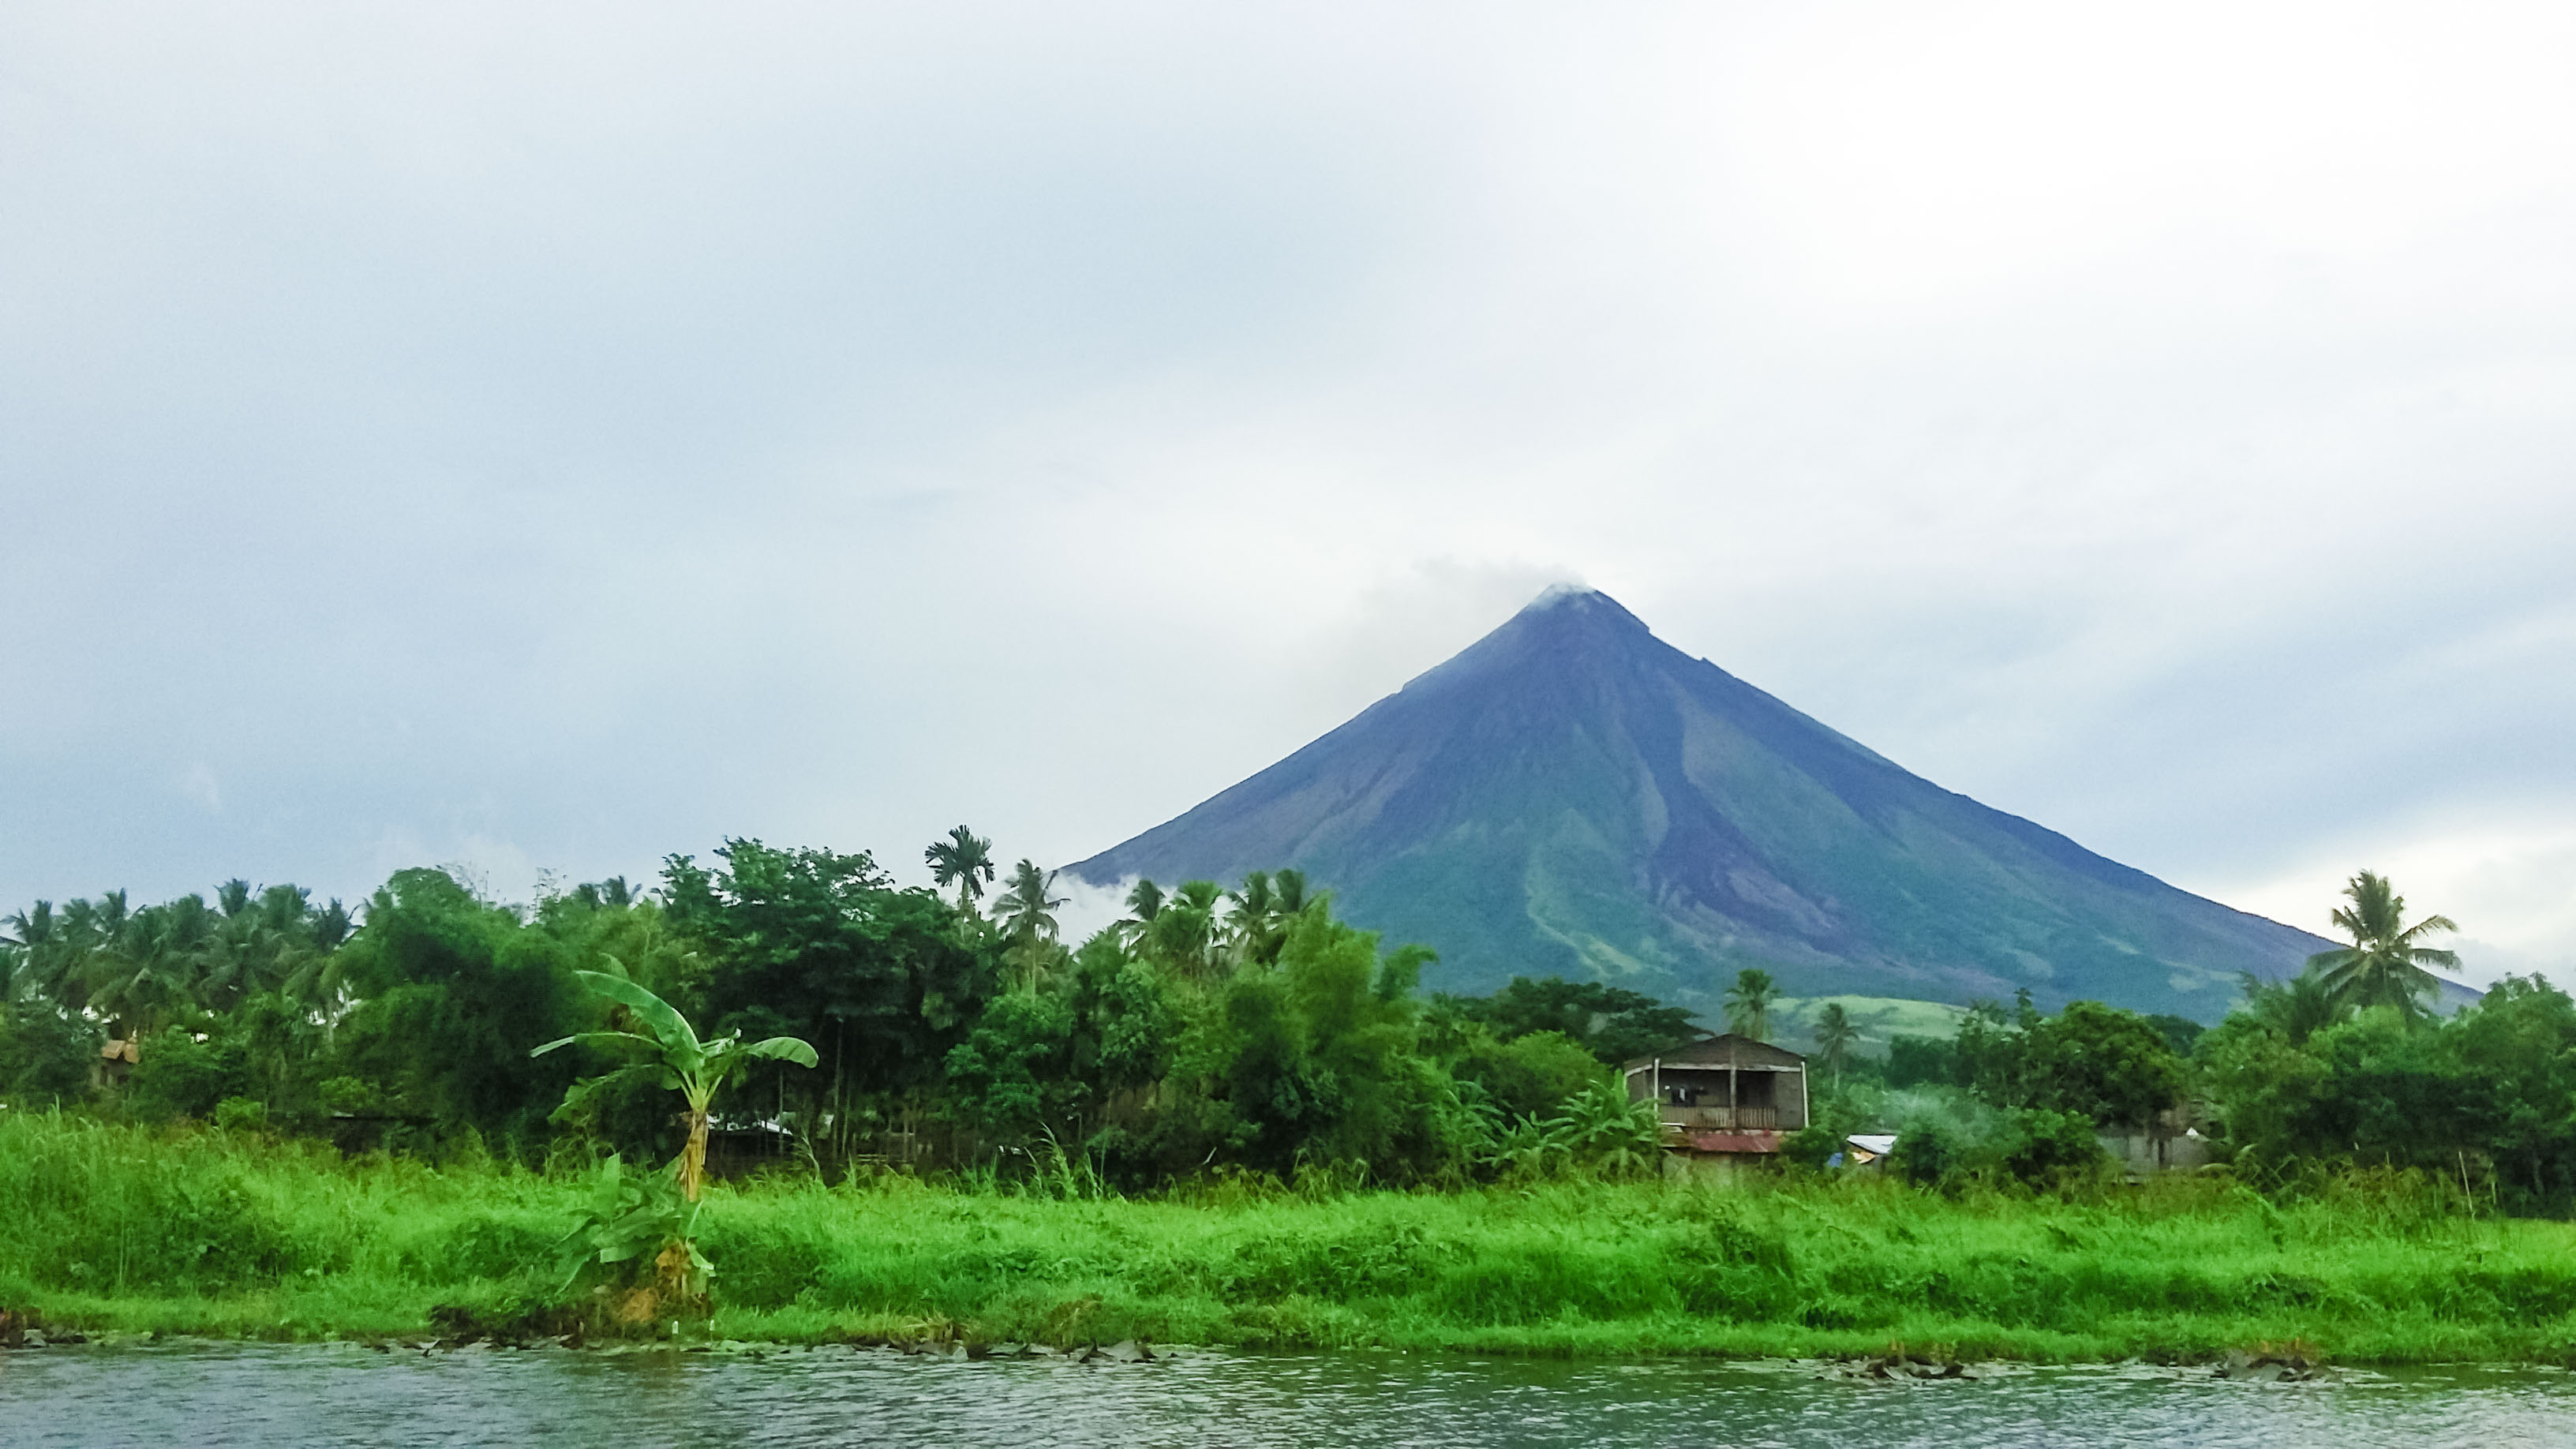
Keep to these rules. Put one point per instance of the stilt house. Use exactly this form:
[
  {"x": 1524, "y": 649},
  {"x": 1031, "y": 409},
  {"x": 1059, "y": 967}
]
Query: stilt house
[{"x": 1724, "y": 1099}]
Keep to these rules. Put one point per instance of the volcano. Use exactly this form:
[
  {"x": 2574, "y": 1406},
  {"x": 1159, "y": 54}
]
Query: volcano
[{"x": 1572, "y": 796}]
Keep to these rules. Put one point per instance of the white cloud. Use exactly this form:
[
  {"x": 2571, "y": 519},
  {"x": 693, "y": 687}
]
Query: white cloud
[
  {"x": 2505, "y": 881},
  {"x": 573, "y": 437}
]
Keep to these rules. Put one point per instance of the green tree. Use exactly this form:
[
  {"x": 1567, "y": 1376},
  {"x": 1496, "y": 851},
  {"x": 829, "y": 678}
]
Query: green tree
[
  {"x": 2297, "y": 1008},
  {"x": 46, "y": 1053},
  {"x": 147, "y": 965},
  {"x": 1530, "y": 1077},
  {"x": 1317, "y": 1059},
  {"x": 1922, "y": 1061},
  {"x": 821, "y": 945},
  {"x": 1026, "y": 913},
  {"x": 1749, "y": 1002},
  {"x": 1144, "y": 903},
  {"x": 2384, "y": 965},
  {"x": 2102, "y": 1063},
  {"x": 1615, "y": 1024},
  {"x": 1252, "y": 929},
  {"x": 1183, "y": 935},
  {"x": 1835, "y": 1036},
  {"x": 964, "y": 859},
  {"x": 452, "y": 992}
]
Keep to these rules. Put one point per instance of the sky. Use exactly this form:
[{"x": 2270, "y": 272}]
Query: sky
[{"x": 544, "y": 439}]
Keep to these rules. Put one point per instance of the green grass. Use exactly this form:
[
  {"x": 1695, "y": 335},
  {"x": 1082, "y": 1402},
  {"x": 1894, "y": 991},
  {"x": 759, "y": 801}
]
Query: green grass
[
  {"x": 1876, "y": 1018},
  {"x": 111, "y": 1227}
]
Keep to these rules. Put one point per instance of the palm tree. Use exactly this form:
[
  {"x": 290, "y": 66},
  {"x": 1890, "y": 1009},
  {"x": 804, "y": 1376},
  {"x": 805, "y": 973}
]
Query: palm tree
[
  {"x": 1748, "y": 1003},
  {"x": 1184, "y": 932},
  {"x": 38, "y": 950},
  {"x": 1249, "y": 922},
  {"x": 2383, "y": 965},
  {"x": 1835, "y": 1035},
  {"x": 965, "y": 858},
  {"x": 312, "y": 975},
  {"x": 1288, "y": 892},
  {"x": 150, "y": 965},
  {"x": 1144, "y": 903},
  {"x": 2297, "y": 1008},
  {"x": 1027, "y": 915}
]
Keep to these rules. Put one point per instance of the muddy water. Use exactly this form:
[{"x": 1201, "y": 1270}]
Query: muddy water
[{"x": 207, "y": 1394}]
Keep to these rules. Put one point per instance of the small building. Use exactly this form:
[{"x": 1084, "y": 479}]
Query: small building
[
  {"x": 1867, "y": 1149},
  {"x": 1726, "y": 1101},
  {"x": 2165, "y": 1142},
  {"x": 117, "y": 1059}
]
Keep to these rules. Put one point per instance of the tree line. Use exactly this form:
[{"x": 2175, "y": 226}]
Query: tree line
[
  {"x": 2350, "y": 1066},
  {"x": 1214, "y": 1027}
]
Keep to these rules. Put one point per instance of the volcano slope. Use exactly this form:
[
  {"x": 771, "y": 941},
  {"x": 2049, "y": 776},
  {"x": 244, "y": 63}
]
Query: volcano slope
[{"x": 1572, "y": 796}]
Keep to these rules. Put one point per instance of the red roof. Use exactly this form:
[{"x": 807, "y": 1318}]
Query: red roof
[{"x": 1735, "y": 1142}]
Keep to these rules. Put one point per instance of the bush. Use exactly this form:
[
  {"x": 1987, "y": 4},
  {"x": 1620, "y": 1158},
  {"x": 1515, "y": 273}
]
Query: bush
[
  {"x": 181, "y": 1076},
  {"x": 45, "y": 1056},
  {"x": 1929, "y": 1152},
  {"x": 2047, "y": 1148},
  {"x": 241, "y": 1114}
]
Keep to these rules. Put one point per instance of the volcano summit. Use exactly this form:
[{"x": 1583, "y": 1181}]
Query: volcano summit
[{"x": 1571, "y": 795}]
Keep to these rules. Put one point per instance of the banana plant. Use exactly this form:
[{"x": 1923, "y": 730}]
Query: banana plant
[
  {"x": 672, "y": 1054},
  {"x": 635, "y": 1216}
]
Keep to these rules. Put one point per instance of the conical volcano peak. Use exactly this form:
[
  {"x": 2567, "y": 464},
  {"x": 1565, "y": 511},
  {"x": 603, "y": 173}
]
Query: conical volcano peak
[
  {"x": 1568, "y": 624},
  {"x": 1572, "y": 796},
  {"x": 1562, "y": 604}
]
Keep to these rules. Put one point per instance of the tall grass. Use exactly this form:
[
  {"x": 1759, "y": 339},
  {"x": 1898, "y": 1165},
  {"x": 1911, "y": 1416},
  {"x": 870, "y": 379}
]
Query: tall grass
[{"x": 201, "y": 1231}]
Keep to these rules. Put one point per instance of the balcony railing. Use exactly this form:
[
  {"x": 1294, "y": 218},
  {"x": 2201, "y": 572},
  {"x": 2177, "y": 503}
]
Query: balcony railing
[{"x": 1725, "y": 1119}]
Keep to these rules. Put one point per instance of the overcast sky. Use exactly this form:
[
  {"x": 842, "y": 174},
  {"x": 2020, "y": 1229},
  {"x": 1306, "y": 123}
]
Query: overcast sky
[{"x": 548, "y": 438}]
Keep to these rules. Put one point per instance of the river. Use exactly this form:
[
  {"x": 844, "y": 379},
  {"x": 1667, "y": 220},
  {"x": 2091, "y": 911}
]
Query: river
[{"x": 279, "y": 1397}]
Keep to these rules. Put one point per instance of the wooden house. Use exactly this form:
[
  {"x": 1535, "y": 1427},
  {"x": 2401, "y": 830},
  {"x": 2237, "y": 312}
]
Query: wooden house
[{"x": 1724, "y": 1100}]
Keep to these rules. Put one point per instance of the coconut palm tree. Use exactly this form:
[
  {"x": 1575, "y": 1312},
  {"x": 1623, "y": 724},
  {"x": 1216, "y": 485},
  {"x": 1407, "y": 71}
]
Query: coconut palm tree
[
  {"x": 964, "y": 858},
  {"x": 1144, "y": 903},
  {"x": 150, "y": 965},
  {"x": 1748, "y": 1003},
  {"x": 1184, "y": 933},
  {"x": 1835, "y": 1036},
  {"x": 1250, "y": 920},
  {"x": 39, "y": 948},
  {"x": 1027, "y": 915},
  {"x": 1288, "y": 893},
  {"x": 2297, "y": 1008},
  {"x": 2384, "y": 965}
]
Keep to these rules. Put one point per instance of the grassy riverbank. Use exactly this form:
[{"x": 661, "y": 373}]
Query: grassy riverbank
[{"x": 117, "y": 1228}]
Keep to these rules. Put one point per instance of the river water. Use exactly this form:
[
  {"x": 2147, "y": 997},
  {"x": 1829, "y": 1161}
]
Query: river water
[{"x": 281, "y": 1396}]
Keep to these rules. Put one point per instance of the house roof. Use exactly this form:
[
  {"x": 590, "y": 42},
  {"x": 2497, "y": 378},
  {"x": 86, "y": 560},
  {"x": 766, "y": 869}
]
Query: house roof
[{"x": 1722, "y": 1051}]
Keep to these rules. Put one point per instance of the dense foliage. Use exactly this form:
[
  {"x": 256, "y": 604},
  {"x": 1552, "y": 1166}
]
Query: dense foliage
[
  {"x": 1212, "y": 1029},
  {"x": 2348, "y": 1067}
]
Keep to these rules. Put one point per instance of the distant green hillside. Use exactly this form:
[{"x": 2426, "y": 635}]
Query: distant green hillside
[{"x": 1571, "y": 795}]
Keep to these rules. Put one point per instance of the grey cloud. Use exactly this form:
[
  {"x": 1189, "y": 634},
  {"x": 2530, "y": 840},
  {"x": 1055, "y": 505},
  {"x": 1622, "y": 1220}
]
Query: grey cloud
[{"x": 568, "y": 438}]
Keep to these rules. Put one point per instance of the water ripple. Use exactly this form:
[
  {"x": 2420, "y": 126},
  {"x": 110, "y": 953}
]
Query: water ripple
[{"x": 281, "y": 1397}]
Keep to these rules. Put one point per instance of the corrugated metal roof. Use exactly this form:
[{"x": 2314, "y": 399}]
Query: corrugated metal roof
[{"x": 1717, "y": 1051}]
